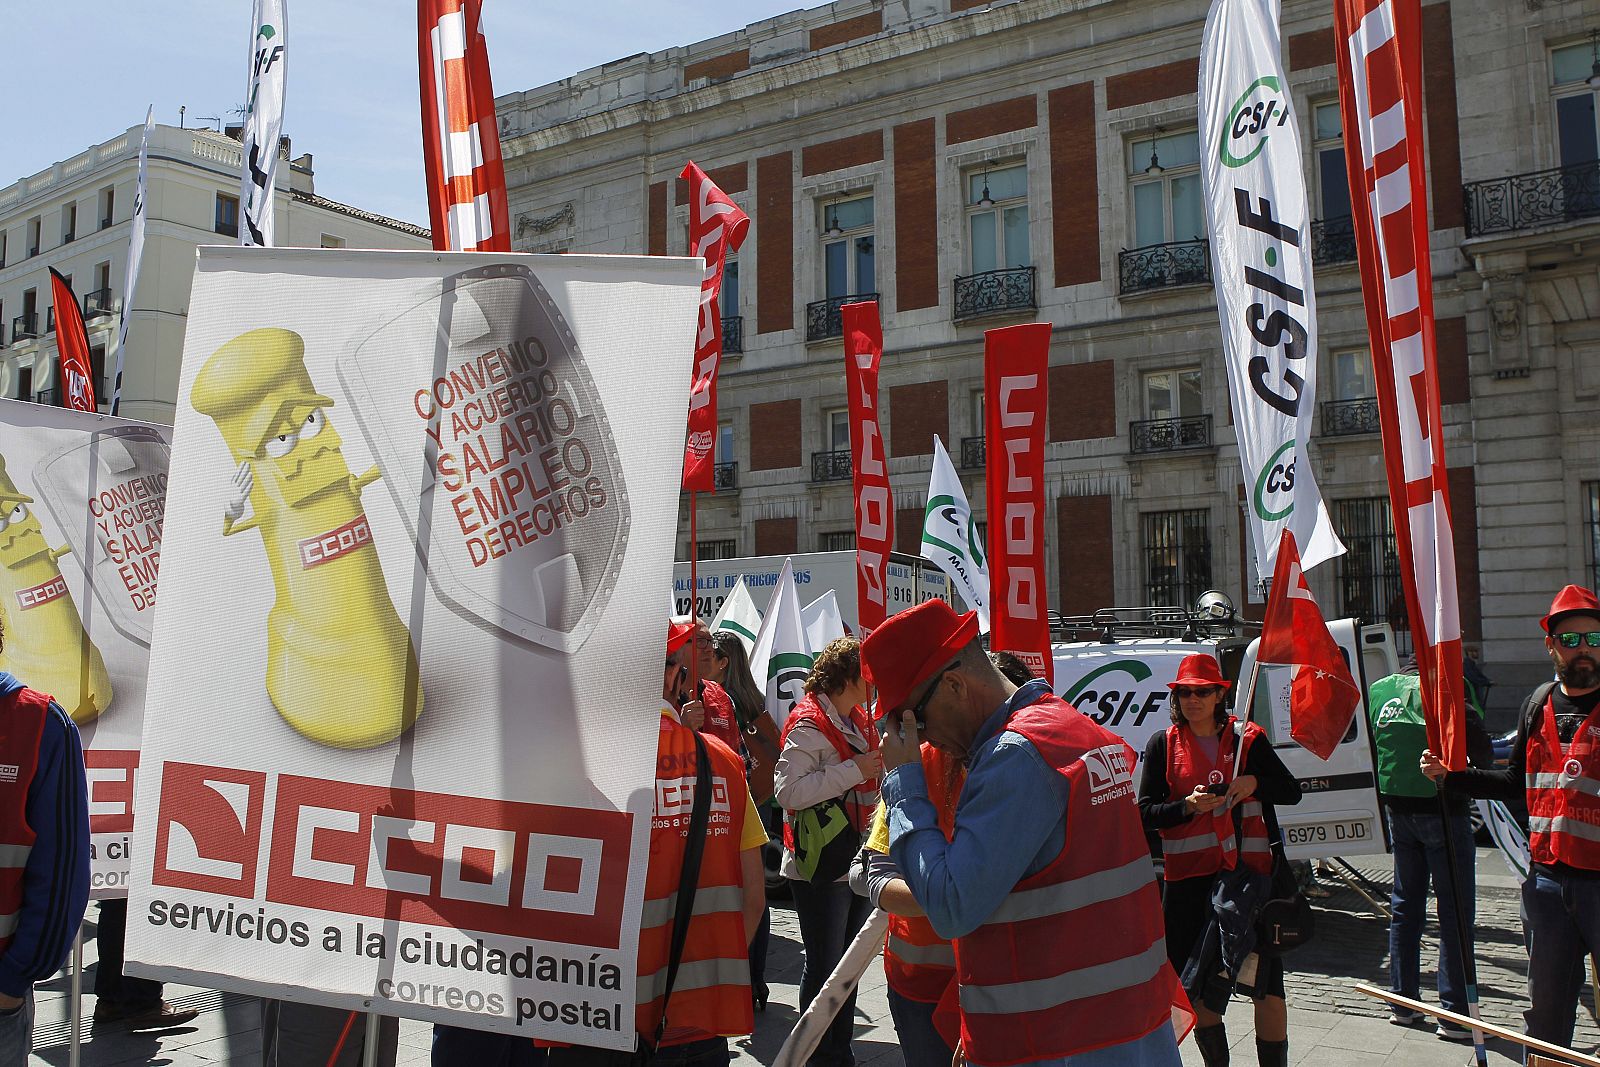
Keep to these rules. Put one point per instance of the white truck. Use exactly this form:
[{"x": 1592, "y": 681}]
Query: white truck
[
  {"x": 1120, "y": 681},
  {"x": 910, "y": 580}
]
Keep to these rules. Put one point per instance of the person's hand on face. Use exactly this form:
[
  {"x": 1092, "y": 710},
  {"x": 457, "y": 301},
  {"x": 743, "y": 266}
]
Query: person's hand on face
[{"x": 901, "y": 745}]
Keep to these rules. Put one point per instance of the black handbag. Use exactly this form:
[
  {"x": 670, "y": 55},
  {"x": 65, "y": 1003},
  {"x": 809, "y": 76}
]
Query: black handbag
[
  {"x": 699, "y": 819},
  {"x": 1285, "y": 921}
]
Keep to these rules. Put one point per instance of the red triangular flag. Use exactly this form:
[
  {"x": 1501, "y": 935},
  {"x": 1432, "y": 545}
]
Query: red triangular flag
[
  {"x": 72, "y": 341},
  {"x": 1323, "y": 696}
]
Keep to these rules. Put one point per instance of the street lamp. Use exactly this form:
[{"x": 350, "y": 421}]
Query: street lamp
[
  {"x": 1155, "y": 166},
  {"x": 1594, "y": 69},
  {"x": 986, "y": 201},
  {"x": 834, "y": 229}
]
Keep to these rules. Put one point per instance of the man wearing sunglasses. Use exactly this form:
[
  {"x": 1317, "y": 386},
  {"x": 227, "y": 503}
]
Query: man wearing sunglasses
[{"x": 1556, "y": 760}]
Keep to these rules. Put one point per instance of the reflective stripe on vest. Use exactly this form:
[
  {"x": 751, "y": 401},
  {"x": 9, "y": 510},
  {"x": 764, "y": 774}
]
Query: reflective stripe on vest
[
  {"x": 8, "y": 924},
  {"x": 1074, "y": 959},
  {"x": 14, "y": 855},
  {"x": 940, "y": 954},
  {"x": 693, "y": 974},
  {"x": 1563, "y": 785},
  {"x": 25, "y": 712},
  {"x": 707, "y": 900}
]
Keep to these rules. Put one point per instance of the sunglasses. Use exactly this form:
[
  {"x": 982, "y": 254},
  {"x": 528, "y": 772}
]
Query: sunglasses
[
  {"x": 1198, "y": 691},
  {"x": 1571, "y": 640},
  {"x": 917, "y": 712}
]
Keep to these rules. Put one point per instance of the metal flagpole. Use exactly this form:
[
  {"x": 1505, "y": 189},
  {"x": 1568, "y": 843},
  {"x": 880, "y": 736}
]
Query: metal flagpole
[
  {"x": 694, "y": 585},
  {"x": 75, "y": 1046},
  {"x": 369, "y": 1041},
  {"x": 1469, "y": 965}
]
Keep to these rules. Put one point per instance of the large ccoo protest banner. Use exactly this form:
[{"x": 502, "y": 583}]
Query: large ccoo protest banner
[
  {"x": 406, "y": 677},
  {"x": 81, "y": 502}
]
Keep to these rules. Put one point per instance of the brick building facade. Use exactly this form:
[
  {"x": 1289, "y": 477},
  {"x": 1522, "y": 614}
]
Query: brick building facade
[{"x": 976, "y": 165}]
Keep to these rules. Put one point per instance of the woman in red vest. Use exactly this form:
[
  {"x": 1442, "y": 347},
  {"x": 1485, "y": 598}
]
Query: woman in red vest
[
  {"x": 830, "y": 752},
  {"x": 1190, "y": 788}
]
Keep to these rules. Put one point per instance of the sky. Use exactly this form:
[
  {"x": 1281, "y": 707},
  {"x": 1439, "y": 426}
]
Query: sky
[{"x": 79, "y": 72}]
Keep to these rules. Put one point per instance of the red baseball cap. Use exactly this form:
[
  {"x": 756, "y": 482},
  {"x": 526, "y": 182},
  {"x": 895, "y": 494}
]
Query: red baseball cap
[
  {"x": 1573, "y": 600},
  {"x": 910, "y": 647},
  {"x": 1199, "y": 669},
  {"x": 679, "y": 631}
]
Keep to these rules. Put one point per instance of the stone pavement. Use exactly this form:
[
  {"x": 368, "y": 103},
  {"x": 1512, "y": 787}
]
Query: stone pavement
[{"x": 1329, "y": 1023}]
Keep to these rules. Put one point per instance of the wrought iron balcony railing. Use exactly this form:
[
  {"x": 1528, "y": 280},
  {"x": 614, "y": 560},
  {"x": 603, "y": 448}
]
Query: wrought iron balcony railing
[
  {"x": 24, "y": 327},
  {"x": 1164, "y": 266},
  {"x": 831, "y": 466},
  {"x": 1333, "y": 240},
  {"x": 97, "y": 302},
  {"x": 994, "y": 292},
  {"x": 1343, "y": 418},
  {"x": 724, "y": 476},
  {"x": 974, "y": 452},
  {"x": 1169, "y": 435},
  {"x": 1539, "y": 198},
  {"x": 823, "y": 319},
  {"x": 50, "y": 319},
  {"x": 732, "y": 335}
]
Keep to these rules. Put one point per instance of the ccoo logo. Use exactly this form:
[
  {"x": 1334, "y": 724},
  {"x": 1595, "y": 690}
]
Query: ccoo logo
[{"x": 1259, "y": 111}]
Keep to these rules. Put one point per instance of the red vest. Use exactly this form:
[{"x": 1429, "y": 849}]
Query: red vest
[
  {"x": 919, "y": 964},
  {"x": 1075, "y": 957},
  {"x": 22, "y": 718},
  {"x": 1563, "y": 805},
  {"x": 1204, "y": 844},
  {"x": 862, "y": 799},
  {"x": 711, "y": 996},
  {"x": 721, "y": 722}
]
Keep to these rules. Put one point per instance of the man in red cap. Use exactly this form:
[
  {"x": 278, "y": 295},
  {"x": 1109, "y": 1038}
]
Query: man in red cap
[
  {"x": 1556, "y": 760},
  {"x": 1045, "y": 885}
]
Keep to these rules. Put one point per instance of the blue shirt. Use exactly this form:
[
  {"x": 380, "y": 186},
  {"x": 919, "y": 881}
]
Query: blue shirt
[
  {"x": 55, "y": 881},
  {"x": 1011, "y": 822}
]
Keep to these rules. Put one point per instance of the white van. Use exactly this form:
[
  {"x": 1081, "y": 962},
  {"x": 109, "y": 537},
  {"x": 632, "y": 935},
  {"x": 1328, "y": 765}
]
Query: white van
[{"x": 1120, "y": 681}]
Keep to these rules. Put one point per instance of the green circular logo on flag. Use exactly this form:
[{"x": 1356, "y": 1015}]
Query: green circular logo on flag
[{"x": 1273, "y": 498}]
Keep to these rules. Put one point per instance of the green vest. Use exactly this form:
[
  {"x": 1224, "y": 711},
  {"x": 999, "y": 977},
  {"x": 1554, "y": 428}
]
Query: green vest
[{"x": 1394, "y": 711}]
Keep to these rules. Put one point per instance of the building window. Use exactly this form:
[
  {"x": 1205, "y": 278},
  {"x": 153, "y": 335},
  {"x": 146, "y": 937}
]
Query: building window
[
  {"x": 848, "y": 248},
  {"x": 33, "y": 235},
  {"x": 1174, "y": 394},
  {"x": 1352, "y": 375},
  {"x": 227, "y": 221},
  {"x": 1368, "y": 574},
  {"x": 997, "y": 218},
  {"x": 330, "y": 240},
  {"x": 1177, "y": 556},
  {"x": 1164, "y": 177},
  {"x": 1591, "y": 532},
  {"x": 108, "y": 205},
  {"x": 97, "y": 373},
  {"x": 1577, "y": 132},
  {"x": 1354, "y": 407},
  {"x": 69, "y": 222},
  {"x": 1333, "y": 186},
  {"x": 836, "y": 541},
  {"x": 720, "y": 549},
  {"x": 24, "y": 383},
  {"x": 2, "y": 248},
  {"x": 728, "y": 299},
  {"x": 836, "y": 431}
]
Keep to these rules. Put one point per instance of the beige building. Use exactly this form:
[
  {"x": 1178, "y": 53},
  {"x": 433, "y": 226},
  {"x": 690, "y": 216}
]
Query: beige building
[{"x": 76, "y": 217}]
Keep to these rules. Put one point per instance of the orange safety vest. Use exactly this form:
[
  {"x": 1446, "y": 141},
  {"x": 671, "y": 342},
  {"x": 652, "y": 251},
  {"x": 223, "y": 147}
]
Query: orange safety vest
[
  {"x": 1075, "y": 957},
  {"x": 862, "y": 799},
  {"x": 1564, "y": 793},
  {"x": 919, "y": 964},
  {"x": 711, "y": 996},
  {"x": 22, "y": 718},
  {"x": 1204, "y": 843}
]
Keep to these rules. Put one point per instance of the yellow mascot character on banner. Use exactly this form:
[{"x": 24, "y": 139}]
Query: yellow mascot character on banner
[
  {"x": 340, "y": 665},
  {"x": 45, "y": 644}
]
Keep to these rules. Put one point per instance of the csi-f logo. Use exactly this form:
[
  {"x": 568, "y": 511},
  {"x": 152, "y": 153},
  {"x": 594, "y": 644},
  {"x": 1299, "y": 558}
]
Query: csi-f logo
[
  {"x": 1273, "y": 498},
  {"x": 1391, "y": 711},
  {"x": 1260, "y": 110},
  {"x": 1573, "y": 769},
  {"x": 1215, "y": 777}
]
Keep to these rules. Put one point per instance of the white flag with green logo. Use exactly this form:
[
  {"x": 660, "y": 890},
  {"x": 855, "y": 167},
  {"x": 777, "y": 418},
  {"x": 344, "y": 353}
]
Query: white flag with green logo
[
  {"x": 950, "y": 540},
  {"x": 782, "y": 656},
  {"x": 823, "y": 621},
  {"x": 738, "y": 615},
  {"x": 1260, "y": 228}
]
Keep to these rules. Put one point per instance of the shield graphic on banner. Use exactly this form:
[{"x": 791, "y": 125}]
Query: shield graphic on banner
[{"x": 517, "y": 499}]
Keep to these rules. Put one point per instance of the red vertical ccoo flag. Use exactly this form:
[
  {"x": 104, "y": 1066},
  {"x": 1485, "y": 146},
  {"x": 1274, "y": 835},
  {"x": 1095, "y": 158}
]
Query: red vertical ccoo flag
[
  {"x": 460, "y": 137},
  {"x": 716, "y": 227},
  {"x": 72, "y": 341},
  {"x": 863, "y": 351}
]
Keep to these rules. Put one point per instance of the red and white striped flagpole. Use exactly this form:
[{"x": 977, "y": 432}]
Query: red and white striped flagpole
[{"x": 460, "y": 136}]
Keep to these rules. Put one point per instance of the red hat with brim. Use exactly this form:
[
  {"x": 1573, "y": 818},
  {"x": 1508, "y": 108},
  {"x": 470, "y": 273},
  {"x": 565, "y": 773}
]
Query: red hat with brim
[
  {"x": 1199, "y": 669},
  {"x": 679, "y": 631},
  {"x": 1573, "y": 600},
  {"x": 909, "y": 648}
]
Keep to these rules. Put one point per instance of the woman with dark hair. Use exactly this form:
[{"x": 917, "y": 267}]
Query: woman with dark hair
[
  {"x": 830, "y": 753},
  {"x": 1193, "y": 760},
  {"x": 731, "y": 670}
]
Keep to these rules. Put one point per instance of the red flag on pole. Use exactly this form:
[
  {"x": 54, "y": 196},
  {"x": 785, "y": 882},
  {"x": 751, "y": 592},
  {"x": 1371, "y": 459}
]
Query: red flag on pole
[
  {"x": 716, "y": 227},
  {"x": 863, "y": 350},
  {"x": 460, "y": 137},
  {"x": 72, "y": 341},
  {"x": 1379, "y": 50},
  {"x": 1015, "y": 395},
  {"x": 1323, "y": 695}
]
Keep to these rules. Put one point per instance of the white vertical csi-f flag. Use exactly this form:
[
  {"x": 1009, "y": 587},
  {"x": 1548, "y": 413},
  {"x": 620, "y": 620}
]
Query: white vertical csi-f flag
[
  {"x": 782, "y": 656},
  {"x": 135, "y": 253},
  {"x": 949, "y": 539},
  {"x": 263, "y": 122},
  {"x": 1259, "y": 223}
]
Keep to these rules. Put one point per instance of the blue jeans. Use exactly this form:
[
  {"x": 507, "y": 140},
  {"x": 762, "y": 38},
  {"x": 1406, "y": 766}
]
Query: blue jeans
[
  {"x": 829, "y": 917},
  {"x": 1158, "y": 1048},
  {"x": 920, "y": 1043},
  {"x": 1420, "y": 857},
  {"x": 712, "y": 1052},
  {"x": 16, "y": 1033},
  {"x": 1561, "y": 922},
  {"x": 454, "y": 1045}
]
